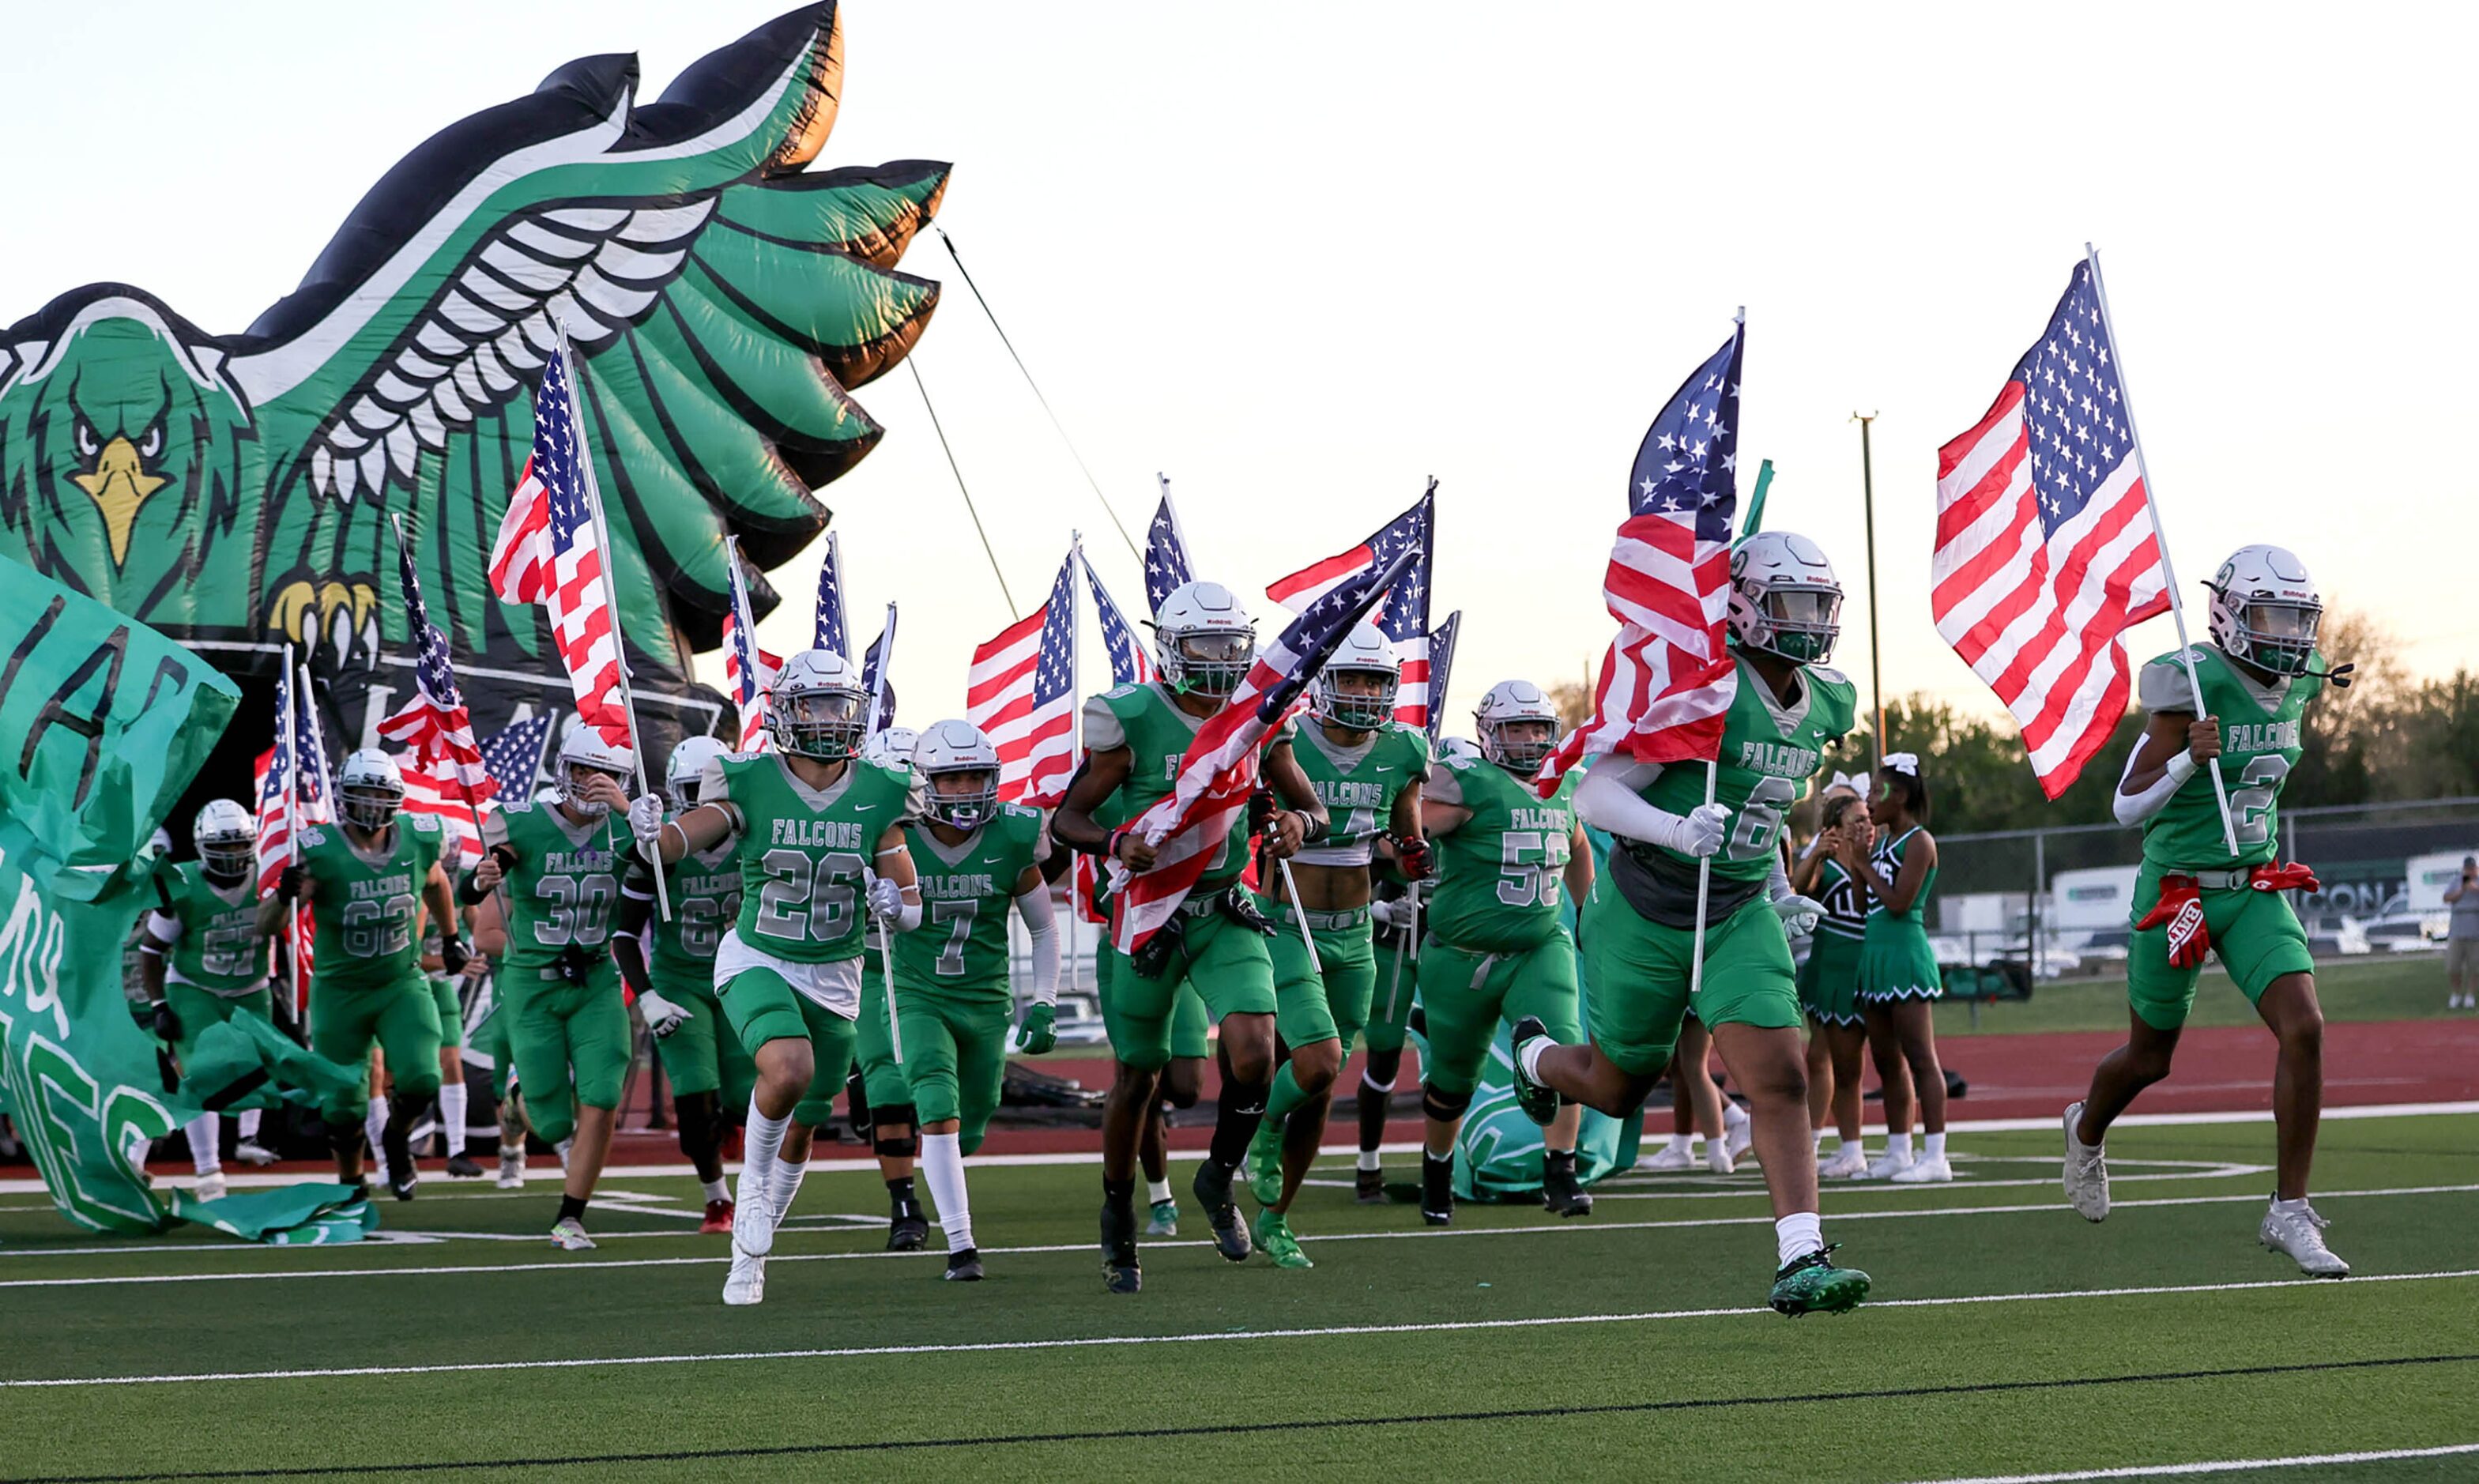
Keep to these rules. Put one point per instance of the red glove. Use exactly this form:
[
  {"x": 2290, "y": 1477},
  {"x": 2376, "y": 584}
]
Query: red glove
[
  {"x": 1412, "y": 856},
  {"x": 2182, "y": 908},
  {"x": 2296, "y": 876}
]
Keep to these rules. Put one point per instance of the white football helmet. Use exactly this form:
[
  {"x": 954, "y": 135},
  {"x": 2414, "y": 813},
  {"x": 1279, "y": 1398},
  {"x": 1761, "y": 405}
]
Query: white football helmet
[
  {"x": 1366, "y": 651},
  {"x": 227, "y": 839},
  {"x": 2265, "y": 609},
  {"x": 891, "y": 747},
  {"x": 686, "y": 770},
  {"x": 581, "y": 752},
  {"x": 955, "y": 751},
  {"x": 1508, "y": 704},
  {"x": 1203, "y": 640},
  {"x": 817, "y": 708},
  {"x": 1783, "y": 598},
  {"x": 369, "y": 788}
]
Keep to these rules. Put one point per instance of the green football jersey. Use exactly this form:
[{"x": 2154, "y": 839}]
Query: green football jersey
[
  {"x": 802, "y": 850},
  {"x": 963, "y": 941},
  {"x": 219, "y": 949},
  {"x": 1501, "y": 872},
  {"x": 704, "y": 887},
  {"x": 364, "y": 911},
  {"x": 1769, "y": 751},
  {"x": 2259, "y": 746},
  {"x": 1358, "y": 785},
  {"x": 565, "y": 887},
  {"x": 1145, "y": 720}
]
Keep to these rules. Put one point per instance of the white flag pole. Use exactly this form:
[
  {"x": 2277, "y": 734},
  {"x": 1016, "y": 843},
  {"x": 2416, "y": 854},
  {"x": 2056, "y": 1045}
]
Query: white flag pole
[
  {"x": 610, "y": 588},
  {"x": 1712, "y": 781},
  {"x": 1075, "y": 727},
  {"x": 292, "y": 822},
  {"x": 2168, "y": 573}
]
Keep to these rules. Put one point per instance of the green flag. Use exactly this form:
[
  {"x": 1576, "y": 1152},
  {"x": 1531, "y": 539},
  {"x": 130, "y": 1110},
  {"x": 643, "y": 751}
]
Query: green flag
[
  {"x": 106, "y": 722},
  {"x": 1756, "y": 521}
]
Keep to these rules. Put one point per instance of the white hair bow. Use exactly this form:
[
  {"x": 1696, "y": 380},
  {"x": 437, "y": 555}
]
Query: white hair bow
[
  {"x": 1907, "y": 763},
  {"x": 1844, "y": 781}
]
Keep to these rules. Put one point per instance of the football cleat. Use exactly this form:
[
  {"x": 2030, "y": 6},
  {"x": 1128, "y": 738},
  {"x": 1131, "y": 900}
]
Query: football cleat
[
  {"x": 1538, "y": 1100},
  {"x": 1265, "y": 1162},
  {"x": 1163, "y": 1220},
  {"x": 1716, "y": 1157},
  {"x": 1274, "y": 1234},
  {"x": 1369, "y": 1187},
  {"x": 1848, "y": 1163},
  {"x": 1563, "y": 1194},
  {"x": 511, "y": 1170},
  {"x": 2298, "y": 1233},
  {"x": 1212, "y": 1187},
  {"x": 1121, "y": 1273},
  {"x": 210, "y": 1187},
  {"x": 746, "y": 1282},
  {"x": 1673, "y": 1157},
  {"x": 2087, "y": 1171},
  {"x": 1813, "y": 1285},
  {"x": 1437, "y": 1189},
  {"x": 718, "y": 1218},
  {"x": 461, "y": 1167},
  {"x": 249, "y": 1151},
  {"x": 400, "y": 1182},
  {"x": 1742, "y": 1131},
  {"x": 907, "y": 1230},
  {"x": 963, "y": 1267},
  {"x": 1888, "y": 1164},
  {"x": 568, "y": 1234},
  {"x": 1934, "y": 1170}
]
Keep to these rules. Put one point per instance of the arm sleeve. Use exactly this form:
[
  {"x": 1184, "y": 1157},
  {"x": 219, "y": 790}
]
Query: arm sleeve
[
  {"x": 164, "y": 929},
  {"x": 1778, "y": 881},
  {"x": 1610, "y": 798},
  {"x": 1041, "y": 924},
  {"x": 1102, "y": 728},
  {"x": 2136, "y": 808},
  {"x": 1443, "y": 786}
]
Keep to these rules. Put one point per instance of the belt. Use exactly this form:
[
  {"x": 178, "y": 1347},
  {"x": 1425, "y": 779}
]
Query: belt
[
  {"x": 2219, "y": 881},
  {"x": 1343, "y": 921},
  {"x": 1194, "y": 905}
]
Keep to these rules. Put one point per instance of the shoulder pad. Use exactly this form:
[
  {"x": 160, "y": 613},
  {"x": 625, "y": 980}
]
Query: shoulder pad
[
  {"x": 421, "y": 824},
  {"x": 1828, "y": 674},
  {"x": 1461, "y": 762},
  {"x": 1018, "y": 811},
  {"x": 1122, "y": 692},
  {"x": 312, "y": 835},
  {"x": 525, "y": 806}
]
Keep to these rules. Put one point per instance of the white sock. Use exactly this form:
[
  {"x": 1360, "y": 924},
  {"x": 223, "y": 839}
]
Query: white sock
[
  {"x": 1157, "y": 1192},
  {"x": 1682, "y": 1143},
  {"x": 783, "y": 1185},
  {"x": 1897, "y": 1143},
  {"x": 764, "y": 1138},
  {"x": 1530, "y": 1056},
  {"x": 451, "y": 1115},
  {"x": 1935, "y": 1143},
  {"x": 374, "y": 1129},
  {"x": 1732, "y": 1116},
  {"x": 942, "y": 1165},
  {"x": 2286, "y": 1208},
  {"x": 1797, "y": 1234},
  {"x": 1369, "y": 1160},
  {"x": 249, "y": 1125},
  {"x": 717, "y": 1190},
  {"x": 205, "y": 1131}
]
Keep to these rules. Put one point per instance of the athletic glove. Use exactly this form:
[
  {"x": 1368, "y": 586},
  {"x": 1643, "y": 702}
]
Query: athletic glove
[
  {"x": 576, "y": 963},
  {"x": 165, "y": 1021},
  {"x": 1701, "y": 832},
  {"x": 646, "y": 823},
  {"x": 2296, "y": 876},
  {"x": 287, "y": 884},
  {"x": 886, "y": 899},
  {"x": 1040, "y": 1032},
  {"x": 1236, "y": 905},
  {"x": 2180, "y": 909},
  {"x": 1412, "y": 856},
  {"x": 1260, "y": 810},
  {"x": 1154, "y": 954},
  {"x": 662, "y": 1016},
  {"x": 454, "y": 955},
  {"x": 1798, "y": 913}
]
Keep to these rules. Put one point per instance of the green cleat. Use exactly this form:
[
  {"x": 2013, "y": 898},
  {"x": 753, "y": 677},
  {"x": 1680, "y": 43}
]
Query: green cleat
[
  {"x": 1265, "y": 1162},
  {"x": 1813, "y": 1285},
  {"x": 1274, "y": 1234},
  {"x": 1165, "y": 1219}
]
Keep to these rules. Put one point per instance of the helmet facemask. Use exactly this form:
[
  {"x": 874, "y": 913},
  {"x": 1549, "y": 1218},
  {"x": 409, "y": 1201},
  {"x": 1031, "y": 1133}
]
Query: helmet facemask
[
  {"x": 228, "y": 857},
  {"x": 2277, "y": 635},
  {"x": 1359, "y": 705},
  {"x": 1207, "y": 661},
  {"x": 828, "y": 726},
  {"x": 965, "y": 798},
  {"x": 1799, "y": 624},
  {"x": 1519, "y": 754},
  {"x": 370, "y": 807},
  {"x": 572, "y": 779}
]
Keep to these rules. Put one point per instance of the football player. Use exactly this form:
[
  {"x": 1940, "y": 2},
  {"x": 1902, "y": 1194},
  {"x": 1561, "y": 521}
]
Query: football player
[
  {"x": 202, "y": 963},
  {"x": 817, "y": 833},
  {"x": 1135, "y": 736},
  {"x": 445, "y": 992},
  {"x": 1639, "y": 924},
  {"x": 2195, "y": 893}
]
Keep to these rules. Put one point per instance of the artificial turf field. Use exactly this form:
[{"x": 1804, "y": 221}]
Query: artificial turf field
[{"x": 2006, "y": 1336}]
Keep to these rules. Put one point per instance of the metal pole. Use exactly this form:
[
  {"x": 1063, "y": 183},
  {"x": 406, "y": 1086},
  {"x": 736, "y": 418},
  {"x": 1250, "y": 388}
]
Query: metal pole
[
  {"x": 1075, "y": 740},
  {"x": 2039, "y": 886},
  {"x": 1868, "y": 513}
]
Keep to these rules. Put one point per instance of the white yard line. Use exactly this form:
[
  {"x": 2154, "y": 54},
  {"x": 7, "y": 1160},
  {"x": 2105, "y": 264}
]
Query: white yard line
[
  {"x": 2220, "y": 1466},
  {"x": 1410, "y": 1234},
  {"x": 1211, "y": 1336}
]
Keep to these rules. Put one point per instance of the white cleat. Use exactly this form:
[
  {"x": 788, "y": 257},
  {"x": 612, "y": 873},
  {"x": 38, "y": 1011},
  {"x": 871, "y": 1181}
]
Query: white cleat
[
  {"x": 511, "y": 1170},
  {"x": 1741, "y": 1135},
  {"x": 1716, "y": 1157},
  {"x": 1925, "y": 1171},
  {"x": 1673, "y": 1157},
  {"x": 2298, "y": 1233},
  {"x": 1889, "y": 1165},
  {"x": 2087, "y": 1171},
  {"x": 249, "y": 1151},
  {"x": 1848, "y": 1163},
  {"x": 210, "y": 1187},
  {"x": 746, "y": 1282},
  {"x": 568, "y": 1234}
]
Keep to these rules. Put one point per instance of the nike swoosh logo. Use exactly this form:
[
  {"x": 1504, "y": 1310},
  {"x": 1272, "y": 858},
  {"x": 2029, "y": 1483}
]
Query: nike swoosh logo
[{"x": 1382, "y": 770}]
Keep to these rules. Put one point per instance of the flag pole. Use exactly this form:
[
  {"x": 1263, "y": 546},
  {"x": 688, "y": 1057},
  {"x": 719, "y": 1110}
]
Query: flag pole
[
  {"x": 1075, "y": 729},
  {"x": 1713, "y": 779},
  {"x": 843, "y": 608},
  {"x": 472, "y": 806},
  {"x": 1868, "y": 510},
  {"x": 2161, "y": 538},
  {"x": 292, "y": 822},
  {"x": 610, "y": 592}
]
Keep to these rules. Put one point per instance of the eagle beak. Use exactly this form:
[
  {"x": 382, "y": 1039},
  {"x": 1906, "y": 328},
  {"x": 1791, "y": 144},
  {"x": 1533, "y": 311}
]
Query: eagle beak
[{"x": 119, "y": 486}]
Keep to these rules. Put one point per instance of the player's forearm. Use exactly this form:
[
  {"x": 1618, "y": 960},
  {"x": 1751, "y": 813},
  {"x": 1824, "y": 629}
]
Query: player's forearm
[
  {"x": 150, "y": 970},
  {"x": 628, "y": 952},
  {"x": 1042, "y": 927},
  {"x": 2147, "y": 787},
  {"x": 1609, "y": 801}
]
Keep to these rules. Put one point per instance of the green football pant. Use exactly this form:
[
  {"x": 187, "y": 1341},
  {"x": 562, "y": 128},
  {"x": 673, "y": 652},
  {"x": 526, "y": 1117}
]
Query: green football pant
[
  {"x": 1188, "y": 1024},
  {"x": 1225, "y": 962},
  {"x": 200, "y": 1009},
  {"x": 955, "y": 1055},
  {"x": 761, "y": 1007},
  {"x": 1640, "y": 974},
  {"x": 452, "y": 1011},
  {"x": 1310, "y": 1006},
  {"x": 874, "y": 1042},
  {"x": 1467, "y": 992},
  {"x": 571, "y": 1046},
  {"x": 401, "y": 1019},
  {"x": 702, "y": 1055},
  {"x": 2255, "y": 936},
  {"x": 1390, "y": 1007},
  {"x": 490, "y": 1038}
]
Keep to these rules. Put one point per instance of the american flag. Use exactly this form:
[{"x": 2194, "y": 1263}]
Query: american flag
[
  {"x": 444, "y": 776},
  {"x": 1022, "y": 692},
  {"x": 514, "y": 755},
  {"x": 1130, "y": 664},
  {"x": 1666, "y": 681},
  {"x": 1218, "y": 772},
  {"x": 1167, "y": 564},
  {"x": 1442, "y": 662},
  {"x": 833, "y": 631},
  {"x": 1403, "y": 616},
  {"x": 749, "y": 670},
  {"x": 277, "y": 846},
  {"x": 2045, "y": 546},
  {"x": 548, "y": 552},
  {"x": 874, "y": 679}
]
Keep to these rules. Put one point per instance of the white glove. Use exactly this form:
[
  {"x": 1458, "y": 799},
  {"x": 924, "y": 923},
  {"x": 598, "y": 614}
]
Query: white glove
[
  {"x": 1799, "y": 914},
  {"x": 885, "y": 899},
  {"x": 646, "y": 821},
  {"x": 662, "y": 1016},
  {"x": 1701, "y": 832},
  {"x": 1382, "y": 913}
]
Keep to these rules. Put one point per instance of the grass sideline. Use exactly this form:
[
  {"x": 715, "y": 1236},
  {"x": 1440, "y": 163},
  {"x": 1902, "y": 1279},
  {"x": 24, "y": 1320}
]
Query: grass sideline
[
  {"x": 2379, "y": 987},
  {"x": 1613, "y": 1346}
]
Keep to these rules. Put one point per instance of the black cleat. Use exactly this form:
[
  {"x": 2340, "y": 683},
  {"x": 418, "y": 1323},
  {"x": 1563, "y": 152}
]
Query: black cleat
[
  {"x": 1538, "y": 1100},
  {"x": 1121, "y": 1273},
  {"x": 461, "y": 1167},
  {"x": 397, "y": 1144},
  {"x": 1561, "y": 1194},
  {"x": 1437, "y": 1189},
  {"x": 964, "y": 1266},
  {"x": 401, "y": 1179},
  {"x": 1368, "y": 1188},
  {"x": 907, "y": 1230},
  {"x": 1213, "y": 1188}
]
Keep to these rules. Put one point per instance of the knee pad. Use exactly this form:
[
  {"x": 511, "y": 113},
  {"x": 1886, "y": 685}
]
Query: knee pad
[
  {"x": 1371, "y": 1084},
  {"x": 1444, "y": 1106},
  {"x": 908, "y": 1147}
]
